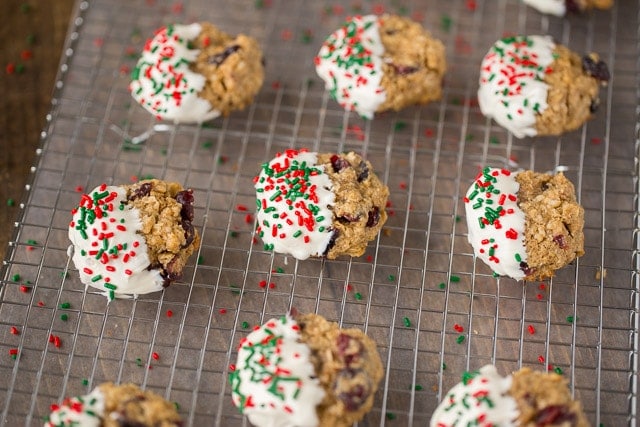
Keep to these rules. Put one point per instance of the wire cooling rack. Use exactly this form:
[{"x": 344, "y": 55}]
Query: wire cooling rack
[{"x": 417, "y": 291}]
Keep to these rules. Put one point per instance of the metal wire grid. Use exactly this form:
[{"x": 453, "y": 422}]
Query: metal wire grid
[{"x": 417, "y": 291}]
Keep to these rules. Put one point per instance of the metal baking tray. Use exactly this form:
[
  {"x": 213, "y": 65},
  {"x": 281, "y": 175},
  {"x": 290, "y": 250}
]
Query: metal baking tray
[{"x": 418, "y": 292}]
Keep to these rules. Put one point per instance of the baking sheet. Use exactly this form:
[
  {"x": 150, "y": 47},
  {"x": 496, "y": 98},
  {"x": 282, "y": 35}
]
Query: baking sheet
[{"x": 417, "y": 291}]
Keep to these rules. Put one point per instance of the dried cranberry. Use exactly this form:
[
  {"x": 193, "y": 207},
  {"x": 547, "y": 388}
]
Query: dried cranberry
[
  {"x": 345, "y": 219},
  {"x": 339, "y": 163},
  {"x": 554, "y": 414},
  {"x": 572, "y": 6},
  {"x": 349, "y": 349},
  {"x": 525, "y": 268},
  {"x": 598, "y": 70},
  {"x": 363, "y": 171},
  {"x": 185, "y": 198},
  {"x": 142, "y": 191},
  {"x": 560, "y": 241},
  {"x": 219, "y": 58},
  {"x": 404, "y": 70},
  {"x": 354, "y": 398},
  {"x": 374, "y": 217},
  {"x": 189, "y": 232}
]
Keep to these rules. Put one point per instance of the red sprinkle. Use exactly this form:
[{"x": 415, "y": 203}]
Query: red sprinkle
[
  {"x": 222, "y": 311},
  {"x": 232, "y": 367},
  {"x": 263, "y": 284},
  {"x": 541, "y": 359},
  {"x": 10, "y": 68},
  {"x": 40, "y": 304},
  {"x": 531, "y": 329},
  {"x": 272, "y": 285},
  {"x": 458, "y": 328},
  {"x": 24, "y": 289},
  {"x": 14, "y": 331},
  {"x": 155, "y": 356},
  {"x": 26, "y": 54},
  {"x": 13, "y": 351},
  {"x": 471, "y": 5},
  {"x": 169, "y": 313}
]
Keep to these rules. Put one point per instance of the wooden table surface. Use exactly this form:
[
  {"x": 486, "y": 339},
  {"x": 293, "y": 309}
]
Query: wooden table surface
[{"x": 32, "y": 36}]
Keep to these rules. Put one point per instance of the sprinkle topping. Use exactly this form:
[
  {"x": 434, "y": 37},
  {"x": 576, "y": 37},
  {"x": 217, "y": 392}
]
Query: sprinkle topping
[
  {"x": 481, "y": 399},
  {"x": 162, "y": 81},
  {"x": 350, "y": 63},
  {"x": 110, "y": 254},
  {"x": 512, "y": 88},
  {"x": 274, "y": 382},
  {"x": 85, "y": 411},
  {"x": 293, "y": 199},
  {"x": 495, "y": 221}
]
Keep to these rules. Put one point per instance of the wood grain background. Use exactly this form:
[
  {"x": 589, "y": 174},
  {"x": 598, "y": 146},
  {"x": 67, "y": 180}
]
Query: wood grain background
[{"x": 32, "y": 35}]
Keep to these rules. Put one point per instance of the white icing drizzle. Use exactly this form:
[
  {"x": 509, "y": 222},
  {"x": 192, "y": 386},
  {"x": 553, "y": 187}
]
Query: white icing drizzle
[
  {"x": 274, "y": 381},
  {"x": 294, "y": 195},
  {"x": 84, "y": 411},
  {"x": 496, "y": 223},
  {"x": 480, "y": 399},
  {"x": 109, "y": 251},
  {"x": 162, "y": 81},
  {"x": 350, "y": 63},
  {"x": 552, "y": 7},
  {"x": 512, "y": 88}
]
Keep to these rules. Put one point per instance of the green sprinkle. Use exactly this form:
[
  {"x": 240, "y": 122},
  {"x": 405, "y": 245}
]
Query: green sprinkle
[
  {"x": 65, "y": 305},
  {"x": 11, "y": 202},
  {"x": 14, "y": 356},
  {"x": 200, "y": 259},
  {"x": 444, "y": 366},
  {"x": 110, "y": 286},
  {"x": 139, "y": 361},
  {"x": 460, "y": 339},
  {"x": 454, "y": 278},
  {"x": 222, "y": 160},
  {"x": 390, "y": 416},
  {"x": 469, "y": 137},
  {"x": 458, "y": 218},
  {"x": 357, "y": 296},
  {"x": 25, "y": 7},
  {"x": 418, "y": 387},
  {"x": 85, "y": 381},
  {"x": 399, "y": 126},
  {"x": 557, "y": 370},
  {"x": 235, "y": 290},
  {"x": 391, "y": 277},
  {"x": 64, "y": 317},
  {"x": 406, "y": 321},
  {"x": 207, "y": 144},
  {"x": 445, "y": 22},
  {"x": 570, "y": 319},
  {"x": 64, "y": 274},
  {"x": 15, "y": 277},
  {"x": 245, "y": 325},
  {"x": 494, "y": 140},
  {"x": 280, "y": 270},
  {"x": 233, "y": 234},
  {"x": 442, "y": 285},
  {"x": 31, "y": 39},
  {"x": 177, "y": 406}
]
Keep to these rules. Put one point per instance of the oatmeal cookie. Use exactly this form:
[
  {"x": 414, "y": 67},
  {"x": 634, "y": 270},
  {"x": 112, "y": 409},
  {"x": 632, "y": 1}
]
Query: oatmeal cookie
[
  {"x": 319, "y": 204},
  {"x": 326, "y": 376},
  {"x": 133, "y": 239},
  {"x": 524, "y": 225},
  {"x": 379, "y": 63},
  {"x": 110, "y": 405},
  {"x": 532, "y": 86},
  {"x": 193, "y": 73}
]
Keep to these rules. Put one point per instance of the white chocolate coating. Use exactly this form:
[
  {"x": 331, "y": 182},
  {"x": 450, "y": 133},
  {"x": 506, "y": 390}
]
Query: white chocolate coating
[
  {"x": 84, "y": 411},
  {"x": 512, "y": 89},
  {"x": 294, "y": 196},
  {"x": 109, "y": 251},
  {"x": 274, "y": 381},
  {"x": 480, "y": 399},
  {"x": 162, "y": 81},
  {"x": 350, "y": 63},
  {"x": 496, "y": 223}
]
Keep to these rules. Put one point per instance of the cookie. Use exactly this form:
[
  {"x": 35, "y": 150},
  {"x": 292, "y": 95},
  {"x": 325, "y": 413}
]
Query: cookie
[
  {"x": 305, "y": 371},
  {"x": 524, "y": 225},
  {"x": 320, "y": 205},
  {"x": 532, "y": 86},
  {"x": 193, "y": 73},
  {"x": 110, "y": 405},
  {"x": 133, "y": 239},
  {"x": 561, "y": 7},
  {"x": 379, "y": 63},
  {"x": 526, "y": 398}
]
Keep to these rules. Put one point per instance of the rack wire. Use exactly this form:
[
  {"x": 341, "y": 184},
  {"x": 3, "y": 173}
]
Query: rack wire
[{"x": 418, "y": 292}]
